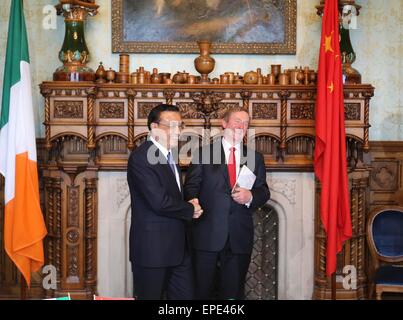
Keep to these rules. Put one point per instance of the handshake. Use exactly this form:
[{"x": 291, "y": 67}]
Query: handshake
[{"x": 197, "y": 208}]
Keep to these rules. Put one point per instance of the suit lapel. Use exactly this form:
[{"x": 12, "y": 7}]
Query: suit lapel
[
  {"x": 223, "y": 165},
  {"x": 163, "y": 164}
]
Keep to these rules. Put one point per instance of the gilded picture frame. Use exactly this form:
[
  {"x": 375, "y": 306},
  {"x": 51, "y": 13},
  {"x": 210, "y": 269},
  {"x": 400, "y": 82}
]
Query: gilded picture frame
[{"x": 233, "y": 26}]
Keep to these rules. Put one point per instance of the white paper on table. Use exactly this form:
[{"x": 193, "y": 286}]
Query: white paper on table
[{"x": 246, "y": 178}]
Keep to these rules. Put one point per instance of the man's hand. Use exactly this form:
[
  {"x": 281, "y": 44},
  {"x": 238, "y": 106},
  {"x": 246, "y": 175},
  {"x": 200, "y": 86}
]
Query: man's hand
[
  {"x": 198, "y": 211},
  {"x": 241, "y": 195}
]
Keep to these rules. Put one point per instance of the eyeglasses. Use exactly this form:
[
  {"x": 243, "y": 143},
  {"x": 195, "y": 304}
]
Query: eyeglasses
[{"x": 172, "y": 124}]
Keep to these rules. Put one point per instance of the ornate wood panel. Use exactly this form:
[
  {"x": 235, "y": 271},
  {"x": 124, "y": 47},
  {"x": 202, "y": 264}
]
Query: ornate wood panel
[{"x": 100, "y": 135}]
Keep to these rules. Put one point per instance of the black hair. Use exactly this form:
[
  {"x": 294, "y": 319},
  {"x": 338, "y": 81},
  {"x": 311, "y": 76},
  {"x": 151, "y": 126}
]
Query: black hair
[{"x": 154, "y": 115}]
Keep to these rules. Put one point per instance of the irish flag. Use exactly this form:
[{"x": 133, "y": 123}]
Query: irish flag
[{"x": 24, "y": 227}]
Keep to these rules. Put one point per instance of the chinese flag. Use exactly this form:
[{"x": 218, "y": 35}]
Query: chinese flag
[{"x": 330, "y": 151}]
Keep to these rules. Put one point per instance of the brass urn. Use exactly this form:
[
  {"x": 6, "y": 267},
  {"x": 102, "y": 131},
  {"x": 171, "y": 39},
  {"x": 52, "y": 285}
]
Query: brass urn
[{"x": 204, "y": 64}]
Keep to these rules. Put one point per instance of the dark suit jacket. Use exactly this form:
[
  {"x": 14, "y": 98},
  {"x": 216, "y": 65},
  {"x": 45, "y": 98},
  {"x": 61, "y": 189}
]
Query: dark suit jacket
[
  {"x": 159, "y": 213},
  {"x": 222, "y": 216}
]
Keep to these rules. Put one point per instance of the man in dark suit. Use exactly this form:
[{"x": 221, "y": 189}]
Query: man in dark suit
[
  {"x": 159, "y": 248},
  {"x": 224, "y": 234}
]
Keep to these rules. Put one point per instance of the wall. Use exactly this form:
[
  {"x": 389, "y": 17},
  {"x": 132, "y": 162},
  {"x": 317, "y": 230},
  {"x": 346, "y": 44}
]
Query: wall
[{"x": 377, "y": 41}]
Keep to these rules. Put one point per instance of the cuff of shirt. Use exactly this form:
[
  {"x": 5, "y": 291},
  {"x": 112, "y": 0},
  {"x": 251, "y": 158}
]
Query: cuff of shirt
[{"x": 249, "y": 202}]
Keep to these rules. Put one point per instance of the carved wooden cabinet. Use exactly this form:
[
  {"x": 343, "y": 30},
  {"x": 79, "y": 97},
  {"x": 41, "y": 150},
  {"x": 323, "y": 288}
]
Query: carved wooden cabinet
[{"x": 91, "y": 127}]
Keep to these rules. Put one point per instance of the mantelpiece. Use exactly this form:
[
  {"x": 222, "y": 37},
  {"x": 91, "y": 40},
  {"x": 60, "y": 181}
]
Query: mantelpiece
[{"x": 282, "y": 114}]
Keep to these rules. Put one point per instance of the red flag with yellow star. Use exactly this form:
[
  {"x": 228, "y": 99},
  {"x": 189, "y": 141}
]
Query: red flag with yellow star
[{"x": 330, "y": 161}]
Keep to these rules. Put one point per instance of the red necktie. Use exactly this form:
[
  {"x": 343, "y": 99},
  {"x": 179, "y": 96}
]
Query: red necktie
[{"x": 232, "y": 167}]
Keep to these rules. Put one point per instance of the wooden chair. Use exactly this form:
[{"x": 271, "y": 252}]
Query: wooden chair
[{"x": 385, "y": 241}]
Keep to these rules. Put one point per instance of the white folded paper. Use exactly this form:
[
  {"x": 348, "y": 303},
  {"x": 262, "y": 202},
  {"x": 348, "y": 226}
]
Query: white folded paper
[{"x": 246, "y": 178}]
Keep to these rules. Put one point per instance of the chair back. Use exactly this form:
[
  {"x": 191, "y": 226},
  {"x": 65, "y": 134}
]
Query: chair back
[{"x": 385, "y": 234}]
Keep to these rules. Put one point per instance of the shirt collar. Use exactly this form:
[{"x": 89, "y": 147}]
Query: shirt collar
[
  {"x": 160, "y": 147},
  {"x": 227, "y": 146}
]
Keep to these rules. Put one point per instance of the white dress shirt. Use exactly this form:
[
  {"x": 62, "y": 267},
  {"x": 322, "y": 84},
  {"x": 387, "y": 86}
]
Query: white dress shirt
[
  {"x": 227, "y": 146},
  {"x": 165, "y": 153}
]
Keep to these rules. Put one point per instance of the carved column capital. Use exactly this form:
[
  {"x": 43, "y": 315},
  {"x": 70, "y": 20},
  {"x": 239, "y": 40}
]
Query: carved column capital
[
  {"x": 45, "y": 91},
  {"x": 131, "y": 93},
  {"x": 91, "y": 92},
  {"x": 245, "y": 94},
  {"x": 284, "y": 94},
  {"x": 169, "y": 96}
]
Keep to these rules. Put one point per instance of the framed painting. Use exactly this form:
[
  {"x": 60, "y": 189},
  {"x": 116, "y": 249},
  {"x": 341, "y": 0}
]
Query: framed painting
[{"x": 233, "y": 26}]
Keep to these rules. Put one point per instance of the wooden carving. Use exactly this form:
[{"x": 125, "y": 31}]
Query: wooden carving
[
  {"x": 110, "y": 110},
  {"x": 302, "y": 111},
  {"x": 266, "y": 111},
  {"x": 352, "y": 111},
  {"x": 68, "y": 109}
]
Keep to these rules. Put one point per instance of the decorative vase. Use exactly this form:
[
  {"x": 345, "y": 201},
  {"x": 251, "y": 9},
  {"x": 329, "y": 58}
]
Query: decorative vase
[
  {"x": 271, "y": 79},
  {"x": 156, "y": 77},
  {"x": 224, "y": 79},
  {"x": 300, "y": 76},
  {"x": 284, "y": 79},
  {"x": 312, "y": 77},
  {"x": 275, "y": 71},
  {"x": 250, "y": 77},
  {"x": 110, "y": 75},
  {"x": 100, "y": 73},
  {"x": 74, "y": 53},
  {"x": 204, "y": 64},
  {"x": 177, "y": 78},
  {"x": 230, "y": 77},
  {"x": 294, "y": 75},
  {"x": 192, "y": 79},
  {"x": 165, "y": 76}
]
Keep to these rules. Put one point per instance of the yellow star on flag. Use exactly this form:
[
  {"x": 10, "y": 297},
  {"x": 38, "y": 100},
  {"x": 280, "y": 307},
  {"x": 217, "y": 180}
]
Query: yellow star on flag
[
  {"x": 328, "y": 43},
  {"x": 331, "y": 87}
]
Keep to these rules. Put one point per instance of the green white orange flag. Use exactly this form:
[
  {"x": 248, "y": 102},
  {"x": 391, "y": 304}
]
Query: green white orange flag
[{"x": 24, "y": 227}]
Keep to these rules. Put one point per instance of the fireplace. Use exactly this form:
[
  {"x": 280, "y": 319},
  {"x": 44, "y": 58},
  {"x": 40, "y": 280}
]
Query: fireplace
[
  {"x": 282, "y": 259},
  {"x": 86, "y": 200}
]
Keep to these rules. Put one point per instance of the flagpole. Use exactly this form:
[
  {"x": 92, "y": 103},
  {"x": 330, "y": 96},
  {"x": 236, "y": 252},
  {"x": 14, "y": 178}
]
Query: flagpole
[
  {"x": 333, "y": 286},
  {"x": 23, "y": 291}
]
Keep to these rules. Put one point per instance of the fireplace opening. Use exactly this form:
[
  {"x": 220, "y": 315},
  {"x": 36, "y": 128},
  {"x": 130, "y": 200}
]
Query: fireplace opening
[{"x": 262, "y": 278}]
